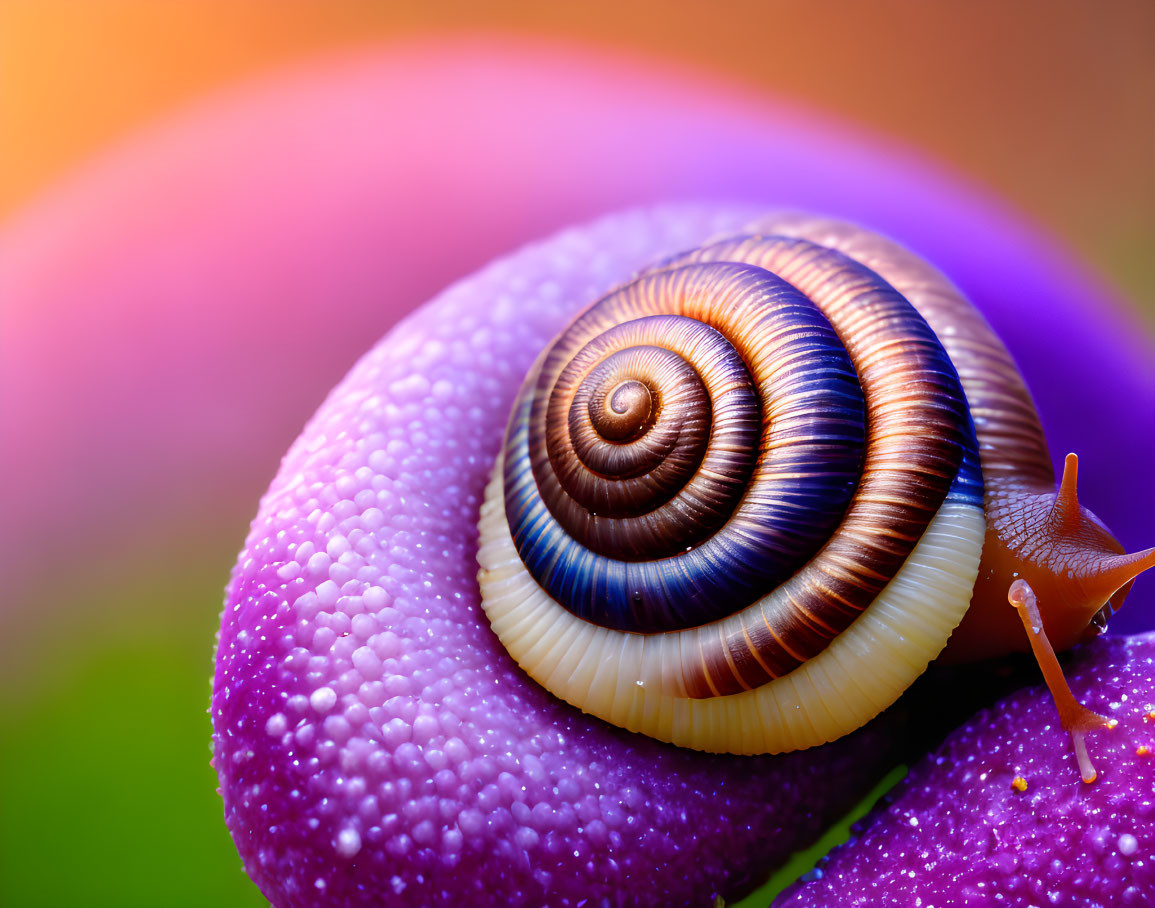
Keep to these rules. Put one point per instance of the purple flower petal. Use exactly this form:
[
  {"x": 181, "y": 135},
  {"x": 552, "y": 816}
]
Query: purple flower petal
[
  {"x": 371, "y": 735},
  {"x": 958, "y": 831}
]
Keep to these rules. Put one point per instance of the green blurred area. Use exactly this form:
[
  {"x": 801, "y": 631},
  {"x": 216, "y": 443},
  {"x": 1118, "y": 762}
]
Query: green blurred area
[
  {"x": 107, "y": 795},
  {"x": 803, "y": 861}
]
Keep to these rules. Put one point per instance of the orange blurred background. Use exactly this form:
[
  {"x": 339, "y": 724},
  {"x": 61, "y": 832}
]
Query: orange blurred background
[{"x": 1051, "y": 104}]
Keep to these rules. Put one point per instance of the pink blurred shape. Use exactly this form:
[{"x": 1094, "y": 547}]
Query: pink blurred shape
[{"x": 174, "y": 312}]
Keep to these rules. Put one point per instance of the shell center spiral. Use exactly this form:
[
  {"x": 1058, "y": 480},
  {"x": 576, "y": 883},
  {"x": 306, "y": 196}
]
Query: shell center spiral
[{"x": 631, "y": 404}]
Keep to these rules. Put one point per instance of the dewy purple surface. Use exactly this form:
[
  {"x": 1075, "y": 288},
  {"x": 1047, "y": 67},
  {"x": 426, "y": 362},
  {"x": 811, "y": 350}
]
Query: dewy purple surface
[
  {"x": 373, "y": 740},
  {"x": 375, "y": 743},
  {"x": 957, "y": 832}
]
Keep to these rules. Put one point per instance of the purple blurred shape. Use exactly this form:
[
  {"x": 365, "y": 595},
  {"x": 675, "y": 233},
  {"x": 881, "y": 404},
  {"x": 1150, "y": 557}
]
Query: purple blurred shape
[{"x": 173, "y": 312}]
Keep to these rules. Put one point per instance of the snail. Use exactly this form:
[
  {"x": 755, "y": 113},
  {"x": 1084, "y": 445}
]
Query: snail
[{"x": 746, "y": 498}]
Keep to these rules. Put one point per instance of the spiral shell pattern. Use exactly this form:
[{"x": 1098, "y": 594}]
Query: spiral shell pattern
[{"x": 719, "y": 478}]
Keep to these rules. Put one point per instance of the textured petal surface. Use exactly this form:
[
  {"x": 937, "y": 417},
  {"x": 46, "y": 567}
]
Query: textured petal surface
[
  {"x": 956, "y": 832},
  {"x": 371, "y": 735}
]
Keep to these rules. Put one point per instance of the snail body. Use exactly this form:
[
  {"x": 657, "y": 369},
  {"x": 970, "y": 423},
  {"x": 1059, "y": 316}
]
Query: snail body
[{"x": 701, "y": 529}]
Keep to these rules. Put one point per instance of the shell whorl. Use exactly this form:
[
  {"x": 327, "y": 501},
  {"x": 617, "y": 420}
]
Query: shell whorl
[
  {"x": 719, "y": 479},
  {"x": 745, "y": 470}
]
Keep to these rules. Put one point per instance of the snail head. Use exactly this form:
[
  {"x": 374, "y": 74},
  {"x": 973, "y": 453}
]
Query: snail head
[
  {"x": 1099, "y": 571},
  {"x": 1079, "y": 572}
]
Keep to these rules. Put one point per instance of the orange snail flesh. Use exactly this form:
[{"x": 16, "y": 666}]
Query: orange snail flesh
[{"x": 740, "y": 507}]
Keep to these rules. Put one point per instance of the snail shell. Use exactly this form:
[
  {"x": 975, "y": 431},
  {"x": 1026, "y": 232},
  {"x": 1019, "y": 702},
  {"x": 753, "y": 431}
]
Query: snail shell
[{"x": 739, "y": 505}]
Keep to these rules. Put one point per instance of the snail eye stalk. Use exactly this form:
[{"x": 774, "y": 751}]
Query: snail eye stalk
[{"x": 1076, "y": 719}]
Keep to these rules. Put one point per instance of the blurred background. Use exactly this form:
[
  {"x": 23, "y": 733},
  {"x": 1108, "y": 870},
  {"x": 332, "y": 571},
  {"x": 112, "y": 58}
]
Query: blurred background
[{"x": 121, "y": 529}]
